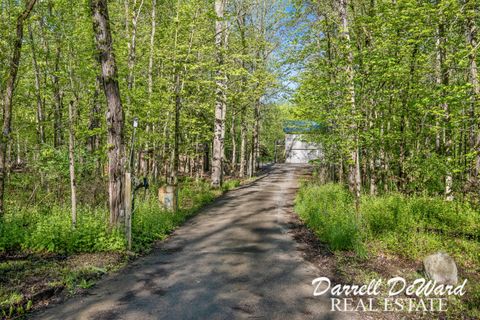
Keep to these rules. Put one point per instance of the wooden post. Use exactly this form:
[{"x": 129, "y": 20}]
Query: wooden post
[{"x": 128, "y": 209}]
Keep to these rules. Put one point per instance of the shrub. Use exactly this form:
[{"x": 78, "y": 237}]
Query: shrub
[
  {"x": 150, "y": 222},
  {"x": 386, "y": 214},
  {"x": 54, "y": 233},
  {"x": 329, "y": 211},
  {"x": 395, "y": 218},
  {"x": 398, "y": 213},
  {"x": 48, "y": 229},
  {"x": 12, "y": 232}
]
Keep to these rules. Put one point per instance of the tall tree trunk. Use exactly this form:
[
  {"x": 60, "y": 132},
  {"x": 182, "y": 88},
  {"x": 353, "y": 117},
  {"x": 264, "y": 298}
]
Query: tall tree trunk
[
  {"x": 472, "y": 42},
  {"x": 175, "y": 162},
  {"x": 58, "y": 101},
  {"x": 173, "y": 181},
  {"x": 93, "y": 142},
  {"x": 151, "y": 163},
  {"x": 354, "y": 171},
  {"x": 243, "y": 125},
  {"x": 8, "y": 98},
  {"x": 442, "y": 80},
  {"x": 152, "y": 50},
  {"x": 220, "y": 97},
  {"x": 372, "y": 159},
  {"x": 402, "y": 174},
  {"x": 243, "y": 146},
  {"x": 206, "y": 157},
  {"x": 19, "y": 159},
  {"x": 250, "y": 163},
  {"x": 233, "y": 133},
  {"x": 256, "y": 141},
  {"x": 39, "y": 114},
  {"x": 166, "y": 147},
  {"x": 132, "y": 50},
  {"x": 71, "y": 155},
  {"x": 115, "y": 117}
]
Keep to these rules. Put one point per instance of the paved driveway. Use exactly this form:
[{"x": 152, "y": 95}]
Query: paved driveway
[{"x": 235, "y": 260}]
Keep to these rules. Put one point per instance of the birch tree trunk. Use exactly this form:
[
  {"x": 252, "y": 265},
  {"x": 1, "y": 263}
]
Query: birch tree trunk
[
  {"x": 472, "y": 42},
  {"x": 233, "y": 134},
  {"x": 115, "y": 117},
  {"x": 8, "y": 98},
  {"x": 152, "y": 50},
  {"x": 132, "y": 49},
  {"x": 38, "y": 93},
  {"x": 71, "y": 155},
  {"x": 243, "y": 146},
  {"x": 220, "y": 97},
  {"x": 58, "y": 103},
  {"x": 151, "y": 163},
  {"x": 354, "y": 171}
]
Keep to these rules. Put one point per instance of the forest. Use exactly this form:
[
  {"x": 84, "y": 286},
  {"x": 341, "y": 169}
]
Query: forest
[
  {"x": 121, "y": 119},
  {"x": 169, "y": 93},
  {"x": 163, "y": 79},
  {"x": 395, "y": 86}
]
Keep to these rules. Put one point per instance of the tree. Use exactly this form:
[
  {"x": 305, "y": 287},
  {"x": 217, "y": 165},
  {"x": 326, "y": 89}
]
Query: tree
[
  {"x": 115, "y": 117},
  {"x": 8, "y": 97},
  {"x": 397, "y": 94},
  {"x": 71, "y": 156},
  {"x": 354, "y": 171},
  {"x": 220, "y": 96},
  {"x": 171, "y": 74}
]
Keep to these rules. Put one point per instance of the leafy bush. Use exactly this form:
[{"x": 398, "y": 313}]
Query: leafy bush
[
  {"x": 195, "y": 195},
  {"x": 399, "y": 213},
  {"x": 150, "y": 222},
  {"x": 410, "y": 226},
  {"x": 54, "y": 233},
  {"x": 48, "y": 229},
  {"x": 329, "y": 211},
  {"x": 12, "y": 232},
  {"x": 386, "y": 214},
  {"x": 51, "y": 231}
]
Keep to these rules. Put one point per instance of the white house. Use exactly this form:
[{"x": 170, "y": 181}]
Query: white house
[{"x": 297, "y": 148}]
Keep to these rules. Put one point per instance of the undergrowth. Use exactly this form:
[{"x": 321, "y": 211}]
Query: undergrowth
[
  {"x": 409, "y": 227},
  {"x": 48, "y": 228},
  {"x": 39, "y": 242},
  {"x": 427, "y": 222}
]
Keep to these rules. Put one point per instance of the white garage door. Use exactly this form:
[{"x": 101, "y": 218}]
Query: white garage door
[{"x": 298, "y": 151}]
